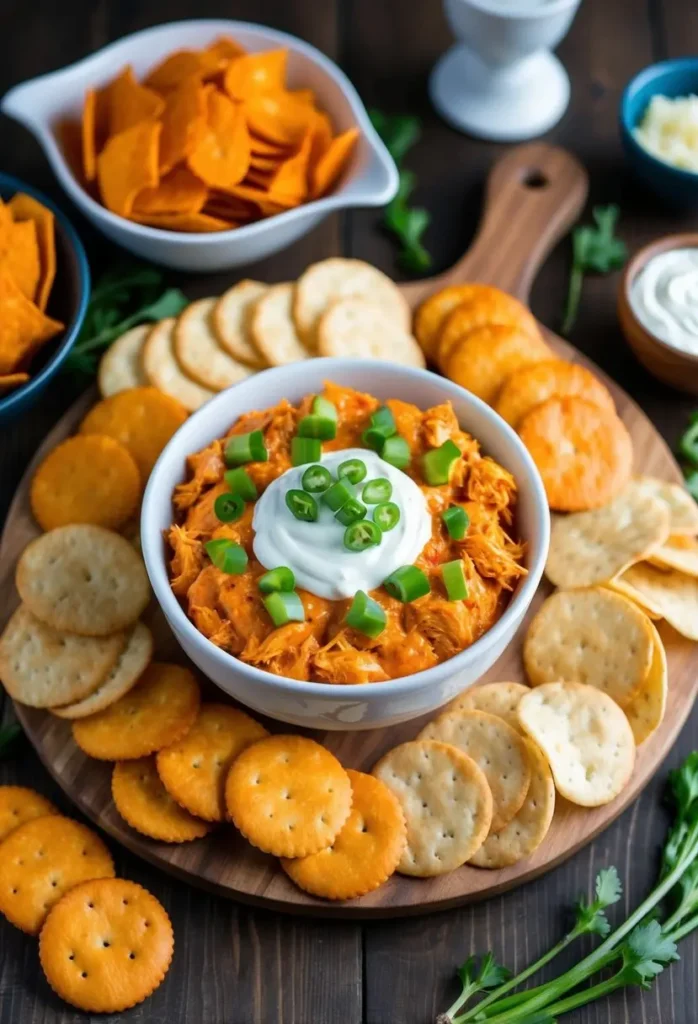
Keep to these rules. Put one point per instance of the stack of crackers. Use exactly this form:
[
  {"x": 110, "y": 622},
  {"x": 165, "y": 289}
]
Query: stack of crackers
[{"x": 338, "y": 307}]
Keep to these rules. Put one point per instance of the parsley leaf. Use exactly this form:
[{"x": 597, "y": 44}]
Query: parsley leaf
[
  {"x": 595, "y": 249},
  {"x": 645, "y": 955}
]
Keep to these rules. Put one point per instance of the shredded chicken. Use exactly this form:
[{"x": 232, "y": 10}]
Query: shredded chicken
[
  {"x": 491, "y": 484},
  {"x": 285, "y": 652},
  {"x": 187, "y": 560},
  {"x": 340, "y": 662},
  {"x": 206, "y": 468}
]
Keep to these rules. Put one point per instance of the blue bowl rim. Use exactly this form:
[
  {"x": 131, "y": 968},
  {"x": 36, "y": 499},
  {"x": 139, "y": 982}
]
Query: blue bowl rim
[
  {"x": 9, "y": 182},
  {"x": 655, "y": 72}
]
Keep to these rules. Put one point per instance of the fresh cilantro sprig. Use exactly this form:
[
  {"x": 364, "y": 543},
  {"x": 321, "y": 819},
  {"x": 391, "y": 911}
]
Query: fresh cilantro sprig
[
  {"x": 595, "y": 250},
  {"x": 476, "y": 976}
]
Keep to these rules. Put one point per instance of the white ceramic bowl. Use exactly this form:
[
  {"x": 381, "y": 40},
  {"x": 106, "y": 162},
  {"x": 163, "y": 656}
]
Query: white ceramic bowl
[
  {"x": 323, "y": 705},
  {"x": 371, "y": 179}
]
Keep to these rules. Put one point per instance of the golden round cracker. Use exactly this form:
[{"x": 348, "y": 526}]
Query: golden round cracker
[
  {"x": 142, "y": 419},
  {"x": 90, "y": 478},
  {"x": 144, "y": 803},
  {"x": 367, "y": 850},
  {"x": 589, "y": 548},
  {"x": 106, "y": 945},
  {"x": 553, "y": 378},
  {"x": 487, "y": 307},
  {"x": 671, "y": 594},
  {"x": 44, "y": 667},
  {"x": 500, "y": 699},
  {"x": 644, "y": 602},
  {"x": 446, "y": 802},
  {"x": 40, "y": 861},
  {"x": 482, "y": 359},
  {"x": 158, "y": 711},
  {"x": 586, "y": 738},
  {"x": 432, "y": 313},
  {"x": 529, "y": 826},
  {"x": 120, "y": 367},
  {"x": 645, "y": 712},
  {"x": 583, "y": 452},
  {"x": 683, "y": 510},
  {"x": 272, "y": 327},
  {"x": 359, "y": 329},
  {"x": 338, "y": 278},
  {"x": 163, "y": 370},
  {"x": 199, "y": 353},
  {"x": 124, "y": 674},
  {"x": 194, "y": 770},
  {"x": 497, "y": 749},
  {"x": 288, "y": 795},
  {"x": 679, "y": 552},
  {"x": 19, "y": 804},
  {"x": 83, "y": 579},
  {"x": 231, "y": 322},
  {"x": 593, "y": 636}
]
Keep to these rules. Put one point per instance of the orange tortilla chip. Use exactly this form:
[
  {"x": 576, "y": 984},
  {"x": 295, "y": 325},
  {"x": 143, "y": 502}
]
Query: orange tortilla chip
[
  {"x": 21, "y": 257},
  {"x": 183, "y": 122},
  {"x": 333, "y": 162},
  {"x": 189, "y": 222},
  {"x": 260, "y": 147},
  {"x": 24, "y": 207},
  {"x": 23, "y": 327},
  {"x": 180, "y": 191},
  {"x": 129, "y": 103},
  {"x": 291, "y": 179},
  {"x": 322, "y": 138},
  {"x": 278, "y": 118},
  {"x": 127, "y": 165},
  {"x": 89, "y": 135},
  {"x": 12, "y": 380},
  {"x": 267, "y": 206},
  {"x": 221, "y": 156},
  {"x": 6, "y": 218},
  {"x": 255, "y": 73},
  {"x": 223, "y": 49},
  {"x": 173, "y": 70}
]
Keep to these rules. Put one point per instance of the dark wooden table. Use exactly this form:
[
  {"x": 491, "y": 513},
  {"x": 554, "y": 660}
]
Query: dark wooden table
[{"x": 234, "y": 965}]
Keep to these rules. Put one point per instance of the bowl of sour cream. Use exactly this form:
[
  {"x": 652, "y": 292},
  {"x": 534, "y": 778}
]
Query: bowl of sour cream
[{"x": 658, "y": 309}]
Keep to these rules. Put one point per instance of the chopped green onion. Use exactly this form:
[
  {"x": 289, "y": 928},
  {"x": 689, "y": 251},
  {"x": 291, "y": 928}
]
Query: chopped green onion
[
  {"x": 396, "y": 451},
  {"x": 407, "y": 583},
  {"x": 317, "y": 426},
  {"x": 382, "y": 427},
  {"x": 337, "y": 495},
  {"x": 305, "y": 449},
  {"x": 240, "y": 482},
  {"x": 281, "y": 578},
  {"x": 284, "y": 607},
  {"x": 242, "y": 448},
  {"x": 692, "y": 482},
  {"x": 438, "y": 463},
  {"x": 454, "y": 580},
  {"x": 227, "y": 556},
  {"x": 366, "y": 615},
  {"x": 353, "y": 469},
  {"x": 377, "y": 490},
  {"x": 350, "y": 512},
  {"x": 316, "y": 479},
  {"x": 361, "y": 535},
  {"x": 456, "y": 521},
  {"x": 386, "y": 515},
  {"x": 323, "y": 407},
  {"x": 302, "y": 505},
  {"x": 228, "y": 507}
]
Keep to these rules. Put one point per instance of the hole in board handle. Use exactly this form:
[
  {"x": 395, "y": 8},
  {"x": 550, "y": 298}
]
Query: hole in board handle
[{"x": 535, "y": 179}]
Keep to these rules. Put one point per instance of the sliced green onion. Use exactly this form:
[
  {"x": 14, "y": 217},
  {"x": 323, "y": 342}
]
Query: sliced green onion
[
  {"x": 438, "y": 463},
  {"x": 316, "y": 479},
  {"x": 353, "y": 469},
  {"x": 454, "y": 580},
  {"x": 227, "y": 556},
  {"x": 362, "y": 535},
  {"x": 456, "y": 521},
  {"x": 323, "y": 407},
  {"x": 350, "y": 512},
  {"x": 407, "y": 583},
  {"x": 386, "y": 515},
  {"x": 337, "y": 495},
  {"x": 242, "y": 448},
  {"x": 284, "y": 607},
  {"x": 366, "y": 615},
  {"x": 240, "y": 482},
  {"x": 396, "y": 451},
  {"x": 317, "y": 426},
  {"x": 377, "y": 490},
  {"x": 382, "y": 427},
  {"x": 281, "y": 578},
  {"x": 228, "y": 507},
  {"x": 302, "y": 505},
  {"x": 305, "y": 449}
]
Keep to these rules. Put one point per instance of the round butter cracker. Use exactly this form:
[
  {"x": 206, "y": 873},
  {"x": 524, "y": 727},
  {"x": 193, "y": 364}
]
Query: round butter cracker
[
  {"x": 120, "y": 367},
  {"x": 143, "y": 802},
  {"x": 164, "y": 372},
  {"x": 19, "y": 804}
]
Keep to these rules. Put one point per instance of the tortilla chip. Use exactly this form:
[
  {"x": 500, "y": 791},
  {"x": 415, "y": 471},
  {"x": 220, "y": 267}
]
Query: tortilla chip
[
  {"x": 290, "y": 182},
  {"x": 223, "y": 49},
  {"x": 89, "y": 126},
  {"x": 23, "y": 327},
  {"x": 255, "y": 73},
  {"x": 183, "y": 122},
  {"x": 12, "y": 380},
  {"x": 261, "y": 199},
  {"x": 333, "y": 162},
  {"x": 6, "y": 218},
  {"x": 180, "y": 191},
  {"x": 278, "y": 118},
  {"x": 24, "y": 207},
  {"x": 189, "y": 222},
  {"x": 127, "y": 165},
  {"x": 322, "y": 138},
  {"x": 129, "y": 103},
  {"x": 173, "y": 70},
  {"x": 22, "y": 257},
  {"x": 221, "y": 156},
  {"x": 260, "y": 147}
]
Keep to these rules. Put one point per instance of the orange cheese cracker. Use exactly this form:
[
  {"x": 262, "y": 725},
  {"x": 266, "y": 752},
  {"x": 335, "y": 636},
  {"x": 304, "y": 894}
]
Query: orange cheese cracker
[
  {"x": 23, "y": 327},
  {"x": 24, "y": 207},
  {"x": 431, "y": 315},
  {"x": 90, "y": 478},
  {"x": 483, "y": 359},
  {"x": 288, "y": 795},
  {"x": 157, "y": 712},
  {"x": 127, "y": 165},
  {"x": 195, "y": 769},
  {"x": 40, "y": 861},
  {"x": 142, "y": 801},
  {"x": 487, "y": 307},
  {"x": 106, "y": 945},
  {"x": 19, "y": 804},
  {"x": 367, "y": 850},
  {"x": 552, "y": 378}
]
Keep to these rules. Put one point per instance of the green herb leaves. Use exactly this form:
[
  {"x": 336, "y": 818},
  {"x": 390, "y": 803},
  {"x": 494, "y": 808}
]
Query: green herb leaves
[
  {"x": 590, "y": 917},
  {"x": 594, "y": 250},
  {"x": 688, "y": 453}
]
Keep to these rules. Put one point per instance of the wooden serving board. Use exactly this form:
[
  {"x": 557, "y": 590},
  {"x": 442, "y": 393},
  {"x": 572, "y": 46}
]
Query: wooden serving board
[{"x": 534, "y": 195}]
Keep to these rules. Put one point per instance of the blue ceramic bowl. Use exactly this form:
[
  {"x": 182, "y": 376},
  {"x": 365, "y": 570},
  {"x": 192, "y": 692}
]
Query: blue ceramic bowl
[
  {"x": 669, "y": 78},
  {"x": 67, "y": 303}
]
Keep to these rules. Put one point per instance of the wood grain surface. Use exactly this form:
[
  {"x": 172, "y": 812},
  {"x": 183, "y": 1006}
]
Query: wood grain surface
[{"x": 234, "y": 964}]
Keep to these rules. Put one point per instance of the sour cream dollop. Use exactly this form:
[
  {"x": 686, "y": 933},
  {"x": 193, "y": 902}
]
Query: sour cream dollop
[
  {"x": 664, "y": 297},
  {"x": 315, "y": 552}
]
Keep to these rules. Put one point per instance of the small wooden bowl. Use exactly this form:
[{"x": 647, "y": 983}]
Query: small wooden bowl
[{"x": 668, "y": 364}]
